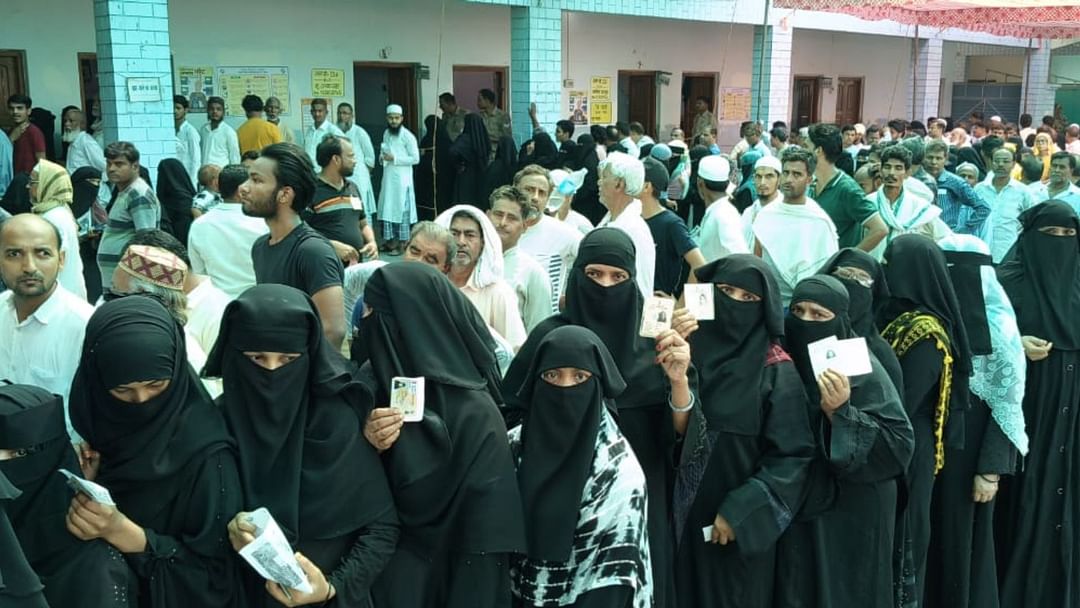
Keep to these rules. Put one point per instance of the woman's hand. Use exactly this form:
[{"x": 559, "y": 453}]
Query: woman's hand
[
  {"x": 241, "y": 530},
  {"x": 722, "y": 532},
  {"x": 673, "y": 355},
  {"x": 88, "y": 519},
  {"x": 986, "y": 487},
  {"x": 89, "y": 461},
  {"x": 1036, "y": 349},
  {"x": 683, "y": 322},
  {"x": 322, "y": 591},
  {"x": 835, "y": 391},
  {"x": 383, "y": 427}
]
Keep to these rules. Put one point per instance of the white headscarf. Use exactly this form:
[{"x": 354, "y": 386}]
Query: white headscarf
[
  {"x": 489, "y": 268},
  {"x": 998, "y": 378}
]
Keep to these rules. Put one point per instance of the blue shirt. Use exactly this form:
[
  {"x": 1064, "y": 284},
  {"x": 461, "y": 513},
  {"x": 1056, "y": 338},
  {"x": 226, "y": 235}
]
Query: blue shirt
[
  {"x": 7, "y": 153},
  {"x": 961, "y": 208}
]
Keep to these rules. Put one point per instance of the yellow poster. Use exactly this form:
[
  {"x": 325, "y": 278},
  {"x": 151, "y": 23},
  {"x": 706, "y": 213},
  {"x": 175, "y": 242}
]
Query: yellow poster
[
  {"x": 233, "y": 83},
  {"x": 600, "y": 89},
  {"x": 600, "y": 113},
  {"x": 326, "y": 82},
  {"x": 735, "y": 104}
]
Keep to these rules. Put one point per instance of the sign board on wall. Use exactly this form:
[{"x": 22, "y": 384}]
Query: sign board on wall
[
  {"x": 600, "y": 88},
  {"x": 601, "y": 113},
  {"x": 735, "y": 104},
  {"x": 579, "y": 107},
  {"x": 143, "y": 89},
  {"x": 236, "y": 82},
  {"x": 196, "y": 83},
  {"x": 326, "y": 82}
]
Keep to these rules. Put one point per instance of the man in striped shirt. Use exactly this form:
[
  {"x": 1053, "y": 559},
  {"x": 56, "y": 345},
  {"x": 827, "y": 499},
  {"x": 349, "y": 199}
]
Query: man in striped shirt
[{"x": 136, "y": 207}]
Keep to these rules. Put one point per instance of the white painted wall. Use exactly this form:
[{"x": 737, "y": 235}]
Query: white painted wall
[
  {"x": 883, "y": 61},
  {"x": 601, "y": 45}
]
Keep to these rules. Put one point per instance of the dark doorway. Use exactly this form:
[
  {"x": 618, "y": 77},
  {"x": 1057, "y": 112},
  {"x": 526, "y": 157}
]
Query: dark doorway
[
  {"x": 637, "y": 99},
  {"x": 469, "y": 79},
  {"x": 807, "y": 102},
  {"x": 12, "y": 81},
  {"x": 848, "y": 100},
  {"x": 88, "y": 80},
  {"x": 695, "y": 85},
  {"x": 377, "y": 85}
]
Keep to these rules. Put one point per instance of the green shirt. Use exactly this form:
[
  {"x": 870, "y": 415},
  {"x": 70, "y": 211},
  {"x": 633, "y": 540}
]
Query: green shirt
[{"x": 846, "y": 204}]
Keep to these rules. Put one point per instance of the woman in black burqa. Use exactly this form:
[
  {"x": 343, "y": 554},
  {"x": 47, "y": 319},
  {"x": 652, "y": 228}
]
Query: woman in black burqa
[
  {"x": 746, "y": 450},
  {"x": 451, "y": 474},
  {"x": 175, "y": 193},
  {"x": 602, "y": 281},
  {"x": 470, "y": 153},
  {"x": 165, "y": 455},
  {"x": 75, "y": 573},
  {"x": 294, "y": 408},
  {"x": 1039, "y": 512},
  {"x": 839, "y": 551}
]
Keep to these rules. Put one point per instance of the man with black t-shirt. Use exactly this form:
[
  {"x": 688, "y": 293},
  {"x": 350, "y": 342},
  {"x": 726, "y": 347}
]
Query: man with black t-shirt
[
  {"x": 280, "y": 186},
  {"x": 336, "y": 210}
]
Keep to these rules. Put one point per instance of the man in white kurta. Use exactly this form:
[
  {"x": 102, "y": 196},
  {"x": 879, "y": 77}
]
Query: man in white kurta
[
  {"x": 220, "y": 146},
  {"x": 365, "y": 157},
  {"x": 397, "y": 199},
  {"x": 794, "y": 236},
  {"x": 320, "y": 128},
  {"x": 83, "y": 150},
  {"x": 188, "y": 142}
]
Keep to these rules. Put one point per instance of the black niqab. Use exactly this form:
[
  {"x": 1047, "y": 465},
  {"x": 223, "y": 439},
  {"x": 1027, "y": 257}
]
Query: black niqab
[
  {"x": 143, "y": 446},
  {"x": 298, "y": 428},
  {"x": 175, "y": 193},
  {"x": 16, "y": 198},
  {"x": 731, "y": 350},
  {"x": 558, "y": 437},
  {"x": 965, "y": 269},
  {"x": 798, "y": 333},
  {"x": 544, "y": 153},
  {"x": 84, "y": 193},
  {"x": 1041, "y": 275}
]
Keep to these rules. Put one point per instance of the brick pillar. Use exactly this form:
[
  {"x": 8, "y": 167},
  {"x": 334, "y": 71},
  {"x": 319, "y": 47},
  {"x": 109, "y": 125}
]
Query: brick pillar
[
  {"x": 928, "y": 89},
  {"x": 1037, "y": 96},
  {"x": 770, "y": 80},
  {"x": 133, "y": 42},
  {"x": 535, "y": 68}
]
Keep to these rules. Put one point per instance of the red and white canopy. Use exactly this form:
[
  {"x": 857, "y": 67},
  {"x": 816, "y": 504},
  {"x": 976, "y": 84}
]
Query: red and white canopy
[{"x": 1018, "y": 18}]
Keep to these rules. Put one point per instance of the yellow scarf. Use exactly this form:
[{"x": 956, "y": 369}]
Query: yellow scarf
[
  {"x": 903, "y": 333},
  {"x": 54, "y": 187}
]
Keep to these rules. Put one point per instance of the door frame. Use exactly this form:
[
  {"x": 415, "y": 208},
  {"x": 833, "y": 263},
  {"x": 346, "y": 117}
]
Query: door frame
[
  {"x": 83, "y": 98},
  {"x": 24, "y": 78},
  {"x": 655, "y": 121},
  {"x": 503, "y": 92},
  {"x": 862, "y": 100},
  {"x": 714, "y": 96},
  {"x": 414, "y": 113},
  {"x": 815, "y": 114}
]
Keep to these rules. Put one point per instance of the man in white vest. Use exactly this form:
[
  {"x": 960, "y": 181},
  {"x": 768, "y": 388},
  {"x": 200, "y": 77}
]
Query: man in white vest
[{"x": 399, "y": 152}]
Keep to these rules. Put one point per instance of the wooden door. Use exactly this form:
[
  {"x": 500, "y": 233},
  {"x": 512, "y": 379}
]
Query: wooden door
[
  {"x": 641, "y": 95},
  {"x": 88, "y": 81},
  {"x": 401, "y": 88},
  {"x": 12, "y": 81},
  {"x": 848, "y": 100},
  {"x": 694, "y": 86},
  {"x": 807, "y": 101}
]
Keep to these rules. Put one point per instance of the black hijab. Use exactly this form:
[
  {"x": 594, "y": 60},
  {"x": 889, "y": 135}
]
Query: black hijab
[
  {"x": 798, "y": 333},
  {"x": 451, "y": 473},
  {"x": 558, "y": 437},
  {"x": 428, "y": 138},
  {"x": 731, "y": 350},
  {"x": 544, "y": 153},
  {"x": 472, "y": 147},
  {"x": 965, "y": 270},
  {"x": 863, "y": 303},
  {"x": 84, "y": 193},
  {"x": 919, "y": 281},
  {"x": 143, "y": 446},
  {"x": 32, "y": 419},
  {"x": 501, "y": 170},
  {"x": 298, "y": 428},
  {"x": 586, "y": 148},
  {"x": 16, "y": 198},
  {"x": 175, "y": 193},
  {"x": 612, "y": 313},
  {"x": 1041, "y": 275}
]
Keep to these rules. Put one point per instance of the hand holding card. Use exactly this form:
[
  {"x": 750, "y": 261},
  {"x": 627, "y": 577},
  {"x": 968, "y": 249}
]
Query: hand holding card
[
  {"x": 849, "y": 357},
  {"x": 698, "y": 298},
  {"x": 407, "y": 397},
  {"x": 656, "y": 316}
]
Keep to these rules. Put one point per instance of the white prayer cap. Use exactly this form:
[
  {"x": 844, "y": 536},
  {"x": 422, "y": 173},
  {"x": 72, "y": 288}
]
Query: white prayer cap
[
  {"x": 995, "y": 119},
  {"x": 769, "y": 162},
  {"x": 627, "y": 168},
  {"x": 714, "y": 168},
  {"x": 394, "y": 109},
  {"x": 860, "y": 128}
]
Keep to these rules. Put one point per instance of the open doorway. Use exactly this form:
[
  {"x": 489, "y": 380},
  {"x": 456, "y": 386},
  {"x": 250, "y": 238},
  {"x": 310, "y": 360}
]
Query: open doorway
[
  {"x": 848, "y": 100},
  {"x": 807, "y": 101},
  {"x": 377, "y": 85},
  {"x": 637, "y": 99},
  {"x": 12, "y": 80},
  {"x": 695, "y": 85},
  {"x": 469, "y": 79}
]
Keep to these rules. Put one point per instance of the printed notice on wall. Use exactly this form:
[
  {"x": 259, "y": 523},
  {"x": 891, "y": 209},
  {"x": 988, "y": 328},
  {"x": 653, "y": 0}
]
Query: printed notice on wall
[
  {"x": 601, "y": 113},
  {"x": 600, "y": 89},
  {"x": 326, "y": 82},
  {"x": 735, "y": 104},
  {"x": 235, "y": 82},
  {"x": 579, "y": 107},
  {"x": 196, "y": 83}
]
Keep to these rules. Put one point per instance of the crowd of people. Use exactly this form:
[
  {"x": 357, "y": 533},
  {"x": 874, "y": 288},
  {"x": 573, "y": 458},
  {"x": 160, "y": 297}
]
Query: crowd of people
[{"x": 235, "y": 339}]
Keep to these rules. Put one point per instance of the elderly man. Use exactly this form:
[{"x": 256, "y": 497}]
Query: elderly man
[
  {"x": 551, "y": 242},
  {"x": 83, "y": 150},
  {"x": 622, "y": 178},
  {"x": 477, "y": 270},
  {"x": 272, "y": 107},
  {"x": 397, "y": 200}
]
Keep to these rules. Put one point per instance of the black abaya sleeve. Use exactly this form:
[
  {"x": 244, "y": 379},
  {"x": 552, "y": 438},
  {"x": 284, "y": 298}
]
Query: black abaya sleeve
[
  {"x": 870, "y": 438},
  {"x": 921, "y": 367},
  {"x": 998, "y": 455},
  {"x": 374, "y": 546},
  {"x": 196, "y": 566},
  {"x": 762, "y": 508}
]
